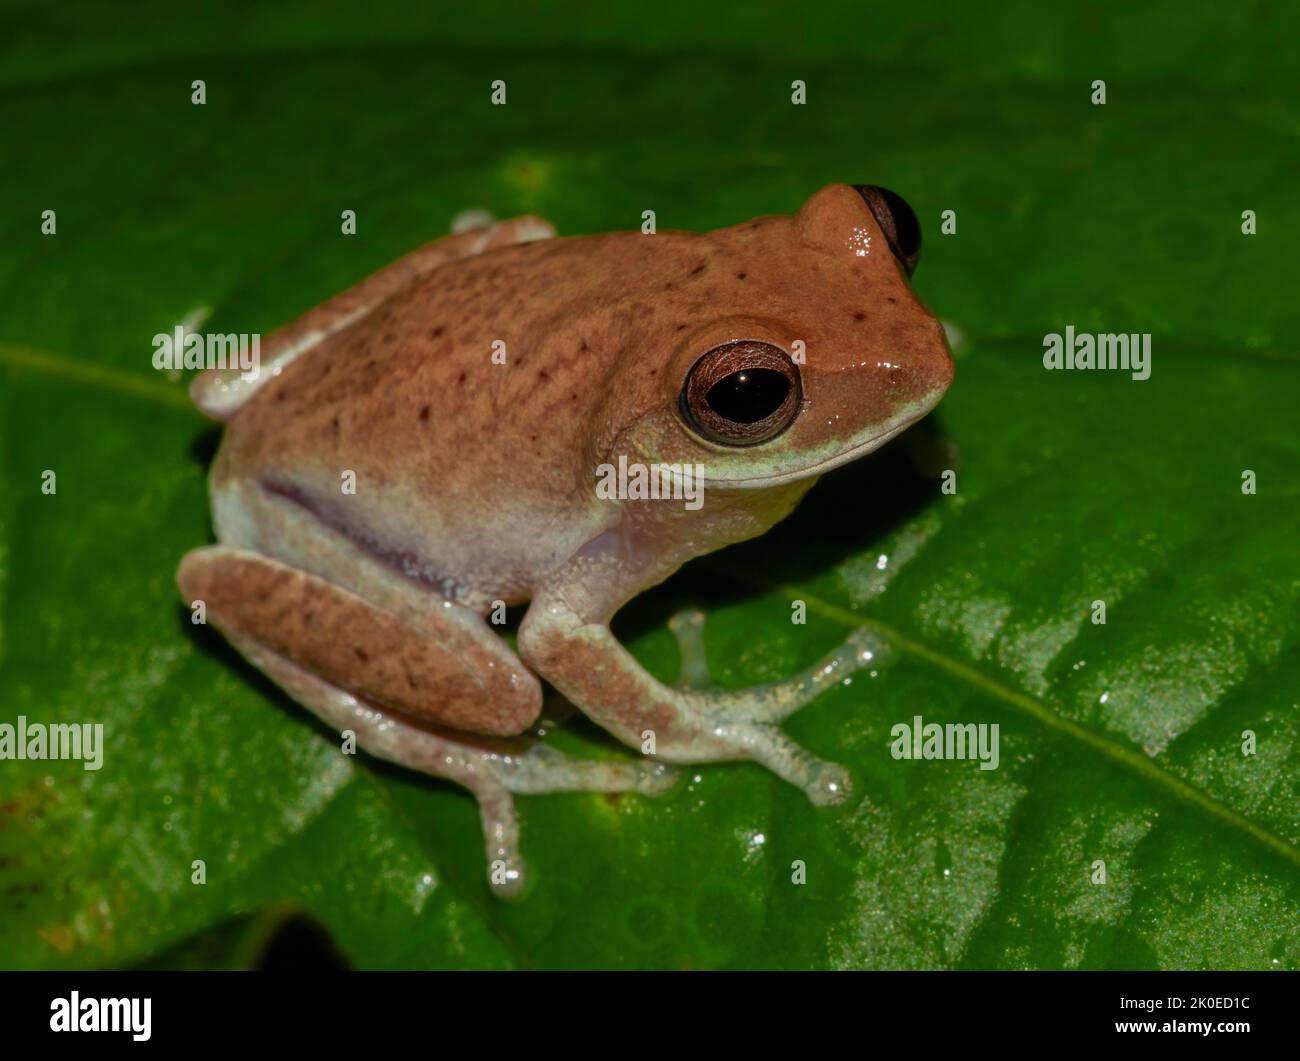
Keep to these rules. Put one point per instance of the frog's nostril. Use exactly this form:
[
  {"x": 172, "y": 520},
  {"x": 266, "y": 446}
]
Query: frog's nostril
[{"x": 898, "y": 222}]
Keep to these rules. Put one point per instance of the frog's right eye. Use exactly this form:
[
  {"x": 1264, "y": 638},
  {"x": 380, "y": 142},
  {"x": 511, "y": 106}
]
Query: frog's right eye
[
  {"x": 897, "y": 221},
  {"x": 741, "y": 393}
]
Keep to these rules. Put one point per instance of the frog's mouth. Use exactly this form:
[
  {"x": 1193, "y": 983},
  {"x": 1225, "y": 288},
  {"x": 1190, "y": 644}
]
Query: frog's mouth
[{"x": 775, "y": 471}]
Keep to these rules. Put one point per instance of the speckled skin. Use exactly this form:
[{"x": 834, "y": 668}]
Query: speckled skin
[
  {"x": 481, "y": 475},
  {"x": 475, "y": 483}
]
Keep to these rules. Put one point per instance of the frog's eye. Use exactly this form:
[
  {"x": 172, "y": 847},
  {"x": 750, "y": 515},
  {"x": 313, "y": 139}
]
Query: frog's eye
[
  {"x": 897, "y": 221},
  {"x": 741, "y": 393}
]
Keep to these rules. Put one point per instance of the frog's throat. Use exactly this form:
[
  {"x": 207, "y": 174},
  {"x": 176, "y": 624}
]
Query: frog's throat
[{"x": 829, "y": 456}]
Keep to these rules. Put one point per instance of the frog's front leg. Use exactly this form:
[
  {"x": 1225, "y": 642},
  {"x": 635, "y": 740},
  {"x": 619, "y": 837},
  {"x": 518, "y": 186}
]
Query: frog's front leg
[
  {"x": 582, "y": 659},
  {"x": 396, "y": 676}
]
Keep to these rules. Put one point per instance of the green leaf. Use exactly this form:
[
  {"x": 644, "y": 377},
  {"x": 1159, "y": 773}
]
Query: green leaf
[{"x": 1120, "y": 743}]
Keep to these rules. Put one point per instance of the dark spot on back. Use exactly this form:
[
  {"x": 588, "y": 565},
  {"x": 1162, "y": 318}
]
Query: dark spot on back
[
  {"x": 361, "y": 653},
  {"x": 584, "y": 345},
  {"x": 461, "y": 378},
  {"x": 424, "y": 413},
  {"x": 437, "y": 331},
  {"x": 699, "y": 268},
  {"x": 741, "y": 276},
  {"x": 859, "y": 316},
  {"x": 542, "y": 374},
  {"x": 682, "y": 327}
]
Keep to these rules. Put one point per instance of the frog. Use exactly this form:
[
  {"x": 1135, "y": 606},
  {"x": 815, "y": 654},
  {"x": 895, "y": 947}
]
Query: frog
[{"x": 419, "y": 453}]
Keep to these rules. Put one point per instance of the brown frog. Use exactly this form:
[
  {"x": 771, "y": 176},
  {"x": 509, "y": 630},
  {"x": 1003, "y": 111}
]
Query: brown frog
[{"x": 425, "y": 448}]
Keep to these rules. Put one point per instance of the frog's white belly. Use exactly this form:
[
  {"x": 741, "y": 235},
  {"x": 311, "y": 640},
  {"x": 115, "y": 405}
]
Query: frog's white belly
[{"x": 328, "y": 533}]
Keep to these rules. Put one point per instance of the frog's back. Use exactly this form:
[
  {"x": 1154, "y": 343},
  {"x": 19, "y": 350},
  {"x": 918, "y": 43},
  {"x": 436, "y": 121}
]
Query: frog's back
[{"x": 460, "y": 404}]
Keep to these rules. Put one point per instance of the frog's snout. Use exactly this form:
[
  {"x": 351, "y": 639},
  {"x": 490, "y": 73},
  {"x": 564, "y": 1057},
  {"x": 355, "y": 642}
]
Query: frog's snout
[
  {"x": 934, "y": 362},
  {"x": 915, "y": 365}
]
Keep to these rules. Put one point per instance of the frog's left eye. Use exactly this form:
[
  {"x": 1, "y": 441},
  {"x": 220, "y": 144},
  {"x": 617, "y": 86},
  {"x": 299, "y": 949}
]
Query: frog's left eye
[{"x": 741, "y": 393}]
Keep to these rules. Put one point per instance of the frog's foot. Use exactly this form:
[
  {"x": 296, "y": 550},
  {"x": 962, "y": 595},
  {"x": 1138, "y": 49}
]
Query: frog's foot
[
  {"x": 537, "y": 769},
  {"x": 494, "y": 771},
  {"x": 589, "y": 667},
  {"x": 777, "y": 701}
]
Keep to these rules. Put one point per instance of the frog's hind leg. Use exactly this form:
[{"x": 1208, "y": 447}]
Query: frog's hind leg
[
  {"x": 325, "y": 646},
  {"x": 219, "y": 393},
  {"x": 691, "y": 724},
  {"x": 493, "y": 775},
  {"x": 439, "y": 663}
]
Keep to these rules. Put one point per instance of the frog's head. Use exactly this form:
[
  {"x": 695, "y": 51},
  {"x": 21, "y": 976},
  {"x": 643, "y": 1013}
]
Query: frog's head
[{"x": 815, "y": 350}]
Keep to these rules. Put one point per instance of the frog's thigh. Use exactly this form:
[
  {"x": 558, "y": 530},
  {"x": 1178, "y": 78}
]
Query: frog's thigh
[
  {"x": 219, "y": 393},
  {"x": 443, "y": 664}
]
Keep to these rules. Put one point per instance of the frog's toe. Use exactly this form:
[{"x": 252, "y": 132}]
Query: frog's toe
[
  {"x": 829, "y": 784},
  {"x": 471, "y": 220},
  {"x": 508, "y": 877},
  {"x": 864, "y": 647},
  {"x": 656, "y": 778},
  {"x": 687, "y": 626},
  {"x": 824, "y": 783}
]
